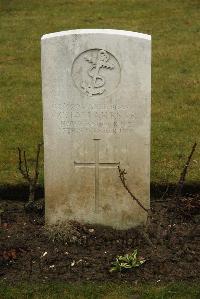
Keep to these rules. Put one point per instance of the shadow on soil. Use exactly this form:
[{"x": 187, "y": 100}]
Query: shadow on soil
[{"x": 21, "y": 191}]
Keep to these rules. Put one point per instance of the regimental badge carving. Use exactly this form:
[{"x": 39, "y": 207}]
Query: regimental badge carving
[
  {"x": 96, "y": 72},
  {"x": 97, "y": 83}
]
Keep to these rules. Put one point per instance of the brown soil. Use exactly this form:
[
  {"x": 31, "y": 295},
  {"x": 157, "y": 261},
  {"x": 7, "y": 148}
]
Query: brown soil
[{"x": 170, "y": 246}]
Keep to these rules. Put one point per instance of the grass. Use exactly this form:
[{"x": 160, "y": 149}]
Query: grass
[
  {"x": 103, "y": 291},
  {"x": 174, "y": 26}
]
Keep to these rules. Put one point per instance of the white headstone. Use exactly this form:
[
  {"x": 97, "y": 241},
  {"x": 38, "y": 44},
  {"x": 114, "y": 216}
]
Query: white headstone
[{"x": 96, "y": 88}]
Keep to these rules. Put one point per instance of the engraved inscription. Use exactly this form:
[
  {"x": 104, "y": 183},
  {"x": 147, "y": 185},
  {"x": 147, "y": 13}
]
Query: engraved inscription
[
  {"x": 96, "y": 72},
  {"x": 96, "y": 165},
  {"x": 95, "y": 118}
]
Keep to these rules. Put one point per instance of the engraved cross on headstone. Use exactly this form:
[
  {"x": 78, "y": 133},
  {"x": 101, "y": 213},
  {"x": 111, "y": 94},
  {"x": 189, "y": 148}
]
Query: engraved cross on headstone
[{"x": 96, "y": 165}]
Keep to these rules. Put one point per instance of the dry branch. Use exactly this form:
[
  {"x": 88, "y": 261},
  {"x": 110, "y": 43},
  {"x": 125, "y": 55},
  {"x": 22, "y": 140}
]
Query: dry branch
[
  {"x": 181, "y": 181},
  {"x": 24, "y": 170},
  {"x": 180, "y": 184},
  {"x": 22, "y": 166},
  {"x": 122, "y": 174}
]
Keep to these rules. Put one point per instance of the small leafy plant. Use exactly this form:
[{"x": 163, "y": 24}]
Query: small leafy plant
[{"x": 127, "y": 261}]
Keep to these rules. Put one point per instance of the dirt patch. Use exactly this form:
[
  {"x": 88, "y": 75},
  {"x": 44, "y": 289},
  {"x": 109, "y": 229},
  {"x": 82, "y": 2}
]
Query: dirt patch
[{"x": 28, "y": 252}]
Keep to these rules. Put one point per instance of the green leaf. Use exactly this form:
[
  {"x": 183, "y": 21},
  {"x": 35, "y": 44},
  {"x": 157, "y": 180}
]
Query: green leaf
[{"x": 128, "y": 261}]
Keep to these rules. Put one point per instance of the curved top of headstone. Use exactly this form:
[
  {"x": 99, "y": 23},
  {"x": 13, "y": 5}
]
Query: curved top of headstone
[{"x": 97, "y": 31}]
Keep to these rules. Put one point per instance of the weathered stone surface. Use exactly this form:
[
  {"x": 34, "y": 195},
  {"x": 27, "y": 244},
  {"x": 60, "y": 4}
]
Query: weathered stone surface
[{"x": 96, "y": 96}]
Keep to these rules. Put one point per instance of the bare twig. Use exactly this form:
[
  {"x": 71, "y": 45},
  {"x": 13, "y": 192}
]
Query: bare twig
[
  {"x": 122, "y": 173},
  {"x": 26, "y": 166},
  {"x": 37, "y": 162},
  {"x": 142, "y": 232},
  {"x": 24, "y": 170},
  {"x": 180, "y": 184},
  {"x": 181, "y": 181},
  {"x": 21, "y": 167}
]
